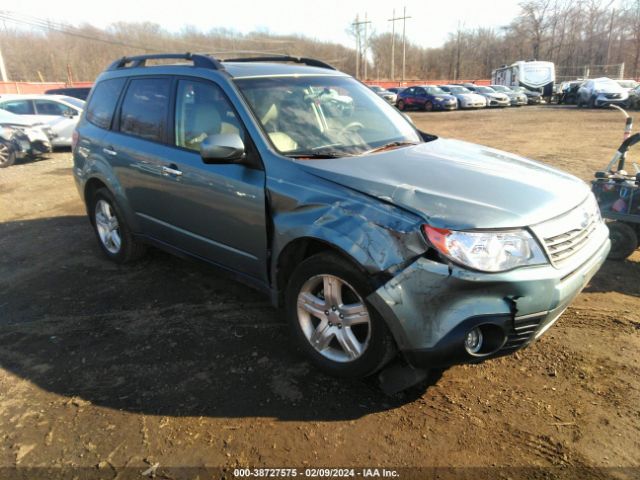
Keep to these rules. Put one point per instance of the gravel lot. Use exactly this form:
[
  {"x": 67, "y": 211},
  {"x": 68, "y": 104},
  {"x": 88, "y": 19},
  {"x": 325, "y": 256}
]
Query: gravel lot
[{"x": 106, "y": 370}]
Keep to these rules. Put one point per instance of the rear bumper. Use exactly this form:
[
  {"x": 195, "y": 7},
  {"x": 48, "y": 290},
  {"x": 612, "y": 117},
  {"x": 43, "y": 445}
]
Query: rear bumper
[{"x": 430, "y": 308}]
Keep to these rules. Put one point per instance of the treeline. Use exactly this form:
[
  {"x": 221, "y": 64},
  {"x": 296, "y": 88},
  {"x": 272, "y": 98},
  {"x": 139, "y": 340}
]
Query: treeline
[
  {"x": 577, "y": 35},
  {"x": 51, "y": 54},
  {"x": 574, "y": 34}
]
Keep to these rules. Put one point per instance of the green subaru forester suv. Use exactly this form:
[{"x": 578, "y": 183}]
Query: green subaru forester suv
[{"x": 380, "y": 241}]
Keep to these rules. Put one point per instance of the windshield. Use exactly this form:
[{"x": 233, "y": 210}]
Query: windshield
[
  {"x": 375, "y": 88},
  {"x": 627, "y": 83},
  {"x": 301, "y": 120},
  {"x": 76, "y": 102},
  {"x": 435, "y": 91},
  {"x": 485, "y": 90},
  {"x": 606, "y": 83},
  {"x": 454, "y": 89},
  {"x": 500, "y": 88}
]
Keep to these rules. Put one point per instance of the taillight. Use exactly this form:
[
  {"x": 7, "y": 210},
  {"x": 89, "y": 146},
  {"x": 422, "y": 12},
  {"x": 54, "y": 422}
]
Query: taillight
[{"x": 74, "y": 140}]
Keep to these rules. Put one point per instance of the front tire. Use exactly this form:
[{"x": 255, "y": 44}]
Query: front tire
[
  {"x": 624, "y": 240},
  {"x": 114, "y": 235},
  {"x": 428, "y": 106},
  {"x": 331, "y": 320},
  {"x": 7, "y": 155}
]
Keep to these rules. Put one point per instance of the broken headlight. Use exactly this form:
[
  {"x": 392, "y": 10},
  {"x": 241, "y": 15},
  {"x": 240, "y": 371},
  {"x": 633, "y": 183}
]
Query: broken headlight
[{"x": 487, "y": 251}]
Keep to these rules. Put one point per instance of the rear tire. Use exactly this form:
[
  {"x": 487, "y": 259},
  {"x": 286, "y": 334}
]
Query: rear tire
[
  {"x": 7, "y": 155},
  {"x": 331, "y": 321},
  {"x": 114, "y": 235},
  {"x": 624, "y": 240},
  {"x": 401, "y": 105}
]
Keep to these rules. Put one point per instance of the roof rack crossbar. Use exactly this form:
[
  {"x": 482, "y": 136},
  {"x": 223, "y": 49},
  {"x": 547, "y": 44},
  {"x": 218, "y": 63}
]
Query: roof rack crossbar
[
  {"x": 202, "y": 61},
  {"x": 312, "y": 62}
]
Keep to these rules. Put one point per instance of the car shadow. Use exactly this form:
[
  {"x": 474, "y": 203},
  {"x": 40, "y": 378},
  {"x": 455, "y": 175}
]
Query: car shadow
[
  {"x": 162, "y": 336},
  {"x": 617, "y": 276}
]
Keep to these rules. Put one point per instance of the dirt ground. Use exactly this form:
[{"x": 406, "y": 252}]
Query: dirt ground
[{"x": 109, "y": 369}]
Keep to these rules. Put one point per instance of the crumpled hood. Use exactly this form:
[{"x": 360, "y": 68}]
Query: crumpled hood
[{"x": 456, "y": 184}]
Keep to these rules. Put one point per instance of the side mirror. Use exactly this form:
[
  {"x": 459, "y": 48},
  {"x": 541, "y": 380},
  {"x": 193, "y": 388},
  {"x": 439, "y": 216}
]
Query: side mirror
[
  {"x": 222, "y": 148},
  {"x": 70, "y": 113}
]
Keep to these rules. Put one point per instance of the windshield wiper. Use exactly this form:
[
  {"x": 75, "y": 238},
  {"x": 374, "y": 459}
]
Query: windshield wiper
[
  {"x": 319, "y": 155},
  {"x": 388, "y": 146}
]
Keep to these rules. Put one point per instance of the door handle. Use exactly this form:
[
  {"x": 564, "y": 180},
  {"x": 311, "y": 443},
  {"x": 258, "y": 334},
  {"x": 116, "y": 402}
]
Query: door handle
[
  {"x": 110, "y": 151},
  {"x": 166, "y": 171}
]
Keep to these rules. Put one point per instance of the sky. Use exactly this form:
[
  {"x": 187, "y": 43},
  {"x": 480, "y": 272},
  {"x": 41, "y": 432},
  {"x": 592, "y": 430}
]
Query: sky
[{"x": 324, "y": 20}]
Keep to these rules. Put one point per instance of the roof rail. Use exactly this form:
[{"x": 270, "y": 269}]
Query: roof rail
[
  {"x": 202, "y": 61},
  {"x": 312, "y": 62}
]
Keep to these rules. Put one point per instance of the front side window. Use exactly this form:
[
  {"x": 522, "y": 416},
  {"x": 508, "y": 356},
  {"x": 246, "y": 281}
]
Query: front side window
[
  {"x": 145, "y": 108},
  {"x": 47, "y": 107},
  {"x": 301, "y": 122},
  {"x": 18, "y": 107},
  {"x": 202, "y": 110},
  {"x": 103, "y": 102}
]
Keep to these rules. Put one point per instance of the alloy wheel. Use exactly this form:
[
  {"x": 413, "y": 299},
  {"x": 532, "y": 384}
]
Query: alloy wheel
[
  {"x": 334, "y": 318},
  {"x": 108, "y": 226}
]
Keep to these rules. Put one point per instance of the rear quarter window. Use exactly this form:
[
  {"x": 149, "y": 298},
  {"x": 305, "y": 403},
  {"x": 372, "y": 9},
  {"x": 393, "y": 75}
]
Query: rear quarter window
[{"x": 103, "y": 102}]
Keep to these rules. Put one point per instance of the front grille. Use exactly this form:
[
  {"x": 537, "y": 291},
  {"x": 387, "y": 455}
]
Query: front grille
[
  {"x": 522, "y": 332},
  {"x": 563, "y": 246},
  {"x": 566, "y": 235}
]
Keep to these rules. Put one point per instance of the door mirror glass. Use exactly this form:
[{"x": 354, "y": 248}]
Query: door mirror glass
[
  {"x": 70, "y": 113},
  {"x": 222, "y": 148}
]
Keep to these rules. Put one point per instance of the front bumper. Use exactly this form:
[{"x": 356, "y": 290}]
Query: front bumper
[
  {"x": 602, "y": 100},
  {"x": 446, "y": 105},
  {"x": 430, "y": 306},
  {"x": 493, "y": 102}
]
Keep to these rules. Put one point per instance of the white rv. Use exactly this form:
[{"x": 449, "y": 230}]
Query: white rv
[{"x": 537, "y": 76}]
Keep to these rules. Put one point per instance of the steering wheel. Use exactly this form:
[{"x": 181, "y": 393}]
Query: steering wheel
[{"x": 353, "y": 126}]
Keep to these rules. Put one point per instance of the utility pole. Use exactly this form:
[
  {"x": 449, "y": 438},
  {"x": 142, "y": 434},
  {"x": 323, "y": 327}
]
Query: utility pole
[
  {"x": 393, "y": 41},
  {"x": 3, "y": 70},
  {"x": 404, "y": 40},
  {"x": 357, "y": 25}
]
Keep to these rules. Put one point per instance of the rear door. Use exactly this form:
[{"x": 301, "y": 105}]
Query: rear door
[{"x": 213, "y": 211}]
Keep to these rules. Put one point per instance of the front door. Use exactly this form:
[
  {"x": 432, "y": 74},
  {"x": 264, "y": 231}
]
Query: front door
[{"x": 214, "y": 211}]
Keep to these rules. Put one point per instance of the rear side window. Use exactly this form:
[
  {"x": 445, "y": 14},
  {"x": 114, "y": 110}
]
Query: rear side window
[
  {"x": 103, "y": 102},
  {"x": 145, "y": 108}
]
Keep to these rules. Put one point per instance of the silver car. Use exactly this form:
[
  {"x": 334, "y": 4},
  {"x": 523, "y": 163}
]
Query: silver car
[
  {"x": 386, "y": 94},
  {"x": 601, "y": 92},
  {"x": 494, "y": 99},
  {"x": 517, "y": 99},
  {"x": 466, "y": 98},
  {"x": 21, "y": 137},
  {"x": 60, "y": 112}
]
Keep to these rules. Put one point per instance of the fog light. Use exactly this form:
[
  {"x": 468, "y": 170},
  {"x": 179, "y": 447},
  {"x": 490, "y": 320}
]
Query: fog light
[{"x": 473, "y": 341}]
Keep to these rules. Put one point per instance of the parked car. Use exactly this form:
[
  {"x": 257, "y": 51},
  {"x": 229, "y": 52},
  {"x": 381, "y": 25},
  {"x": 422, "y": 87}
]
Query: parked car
[
  {"x": 634, "y": 98},
  {"x": 601, "y": 92},
  {"x": 21, "y": 137},
  {"x": 61, "y": 113},
  {"x": 428, "y": 98},
  {"x": 77, "y": 92},
  {"x": 494, "y": 99},
  {"x": 569, "y": 92},
  {"x": 517, "y": 99},
  {"x": 466, "y": 98},
  {"x": 395, "y": 90},
  {"x": 375, "y": 237},
  {"x": 533, "y": 97},
  {"x": 386, "y": 94}
]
